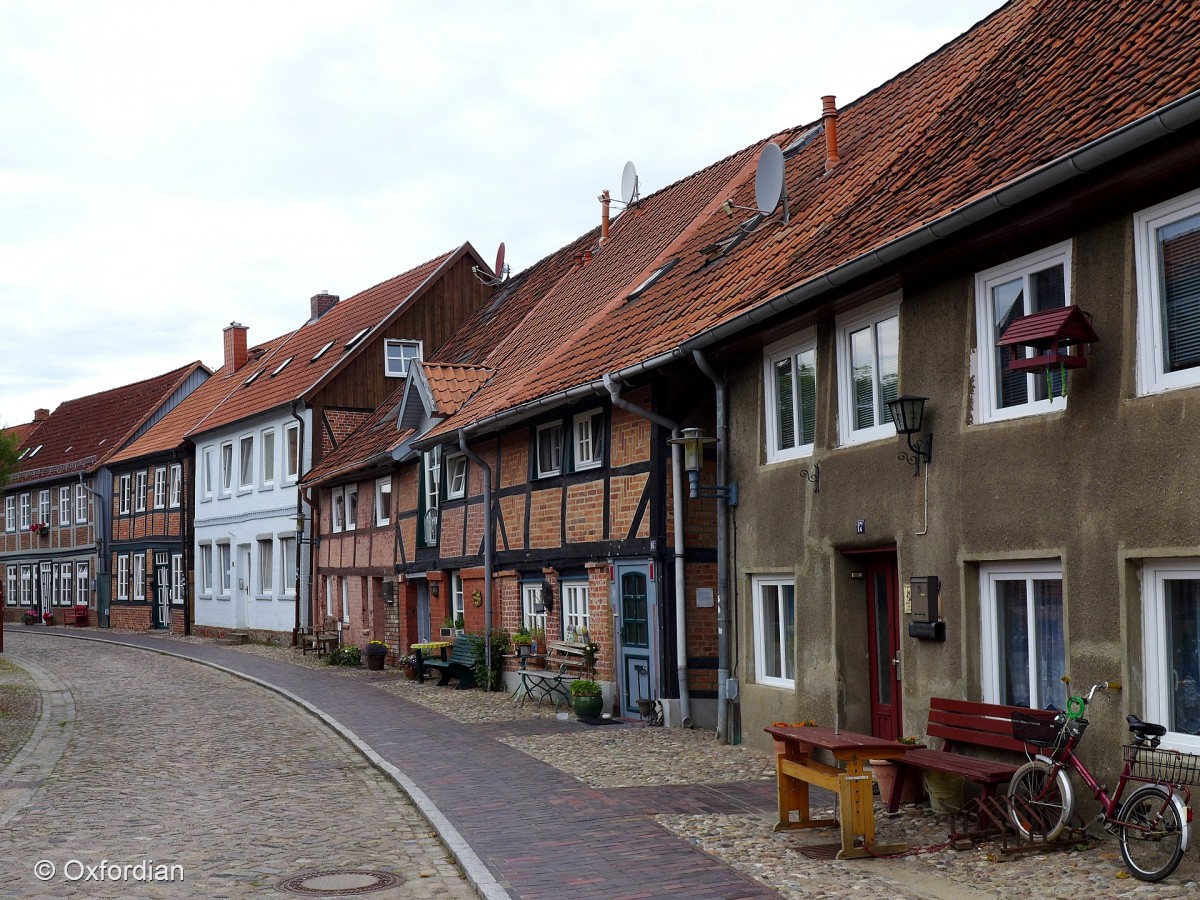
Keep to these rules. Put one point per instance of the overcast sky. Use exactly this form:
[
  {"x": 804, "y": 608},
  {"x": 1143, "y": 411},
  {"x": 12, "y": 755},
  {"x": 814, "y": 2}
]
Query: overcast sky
[{"x": 167, "y": 168}]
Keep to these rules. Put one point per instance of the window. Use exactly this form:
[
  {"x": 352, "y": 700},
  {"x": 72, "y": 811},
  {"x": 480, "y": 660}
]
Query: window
[
  {"x": 160, "y": 488},
  {"x": 175, "y": 491},
  {"x": 321, "y": 352},
  {"x": 64, "y": 505},
  {"x": 66, "y": 581},
  {"x": 139, "y": 577},
  {"x": 345, "y": 599},
  {"x": 431, "y": 475},
  {"x": 458, "y": 600},
  {"x": 354, "y": 340},
  {"x": 1019, "y": 288},
  {"x": 226, "y": 468},
  {"x": 287, "y": 549},
  {"x": 246, "y": 463},
  {"x": 44, "y": 507},
  {"x": 10, "y": 513},
  {"x": 122, "y": 577},
  {"x": 206, "y": 569},
  {"x": 868, "y": 363},
  {"x": 27, "y": 585},
  {"x": 10, "y": 587},
  {"x": 531, "y": 599},
  {"x": 456, "y": 476},
  {"x": 1023, "y": 647},
  {"x": 266, "y": 566},
  {"x": 291, "y": 439},
  {"x": 26, "y": 512},
  {"x": 589, "y": 439},
  {"x": 123, "y": 495},
  {"x": 398, "y": 355},
  {"x": 1171, "y": 649},
  {"x": 268, "y": 456},
  {"x": 139, "y": 492},
  {"x": 1167, "y": 256},
  {"x": 337, "y": 511},
  {"x": 575, "y": 608},
  {"x": 549, "y": 449},
  {"x": 82, "y": 579},
  {"x": 178, "y": 579},
  {"x": 351, "y": 508},
  {"x": 790, "y": 396},
  {"x": 383, "y": 501},
  {"x": 775, "y": 631},
  {"x": 224, "y": 569},
  {"x": 81, "y": 504},
  {"x": 281, "y": 366},
  {"x": 209, "y": 480}
]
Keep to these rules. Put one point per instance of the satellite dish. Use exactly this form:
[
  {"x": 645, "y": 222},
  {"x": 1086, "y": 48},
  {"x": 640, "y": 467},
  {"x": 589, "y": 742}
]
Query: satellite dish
[
  {"x": 499, "y": 270},
  {"x": 629, "y": 184},
  {"x": 768, "y": 180}
]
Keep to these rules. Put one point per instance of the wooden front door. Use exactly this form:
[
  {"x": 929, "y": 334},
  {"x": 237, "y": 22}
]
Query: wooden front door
[
  {"x": 162, "y": 590},
  {"x": 883, "y": 644}
]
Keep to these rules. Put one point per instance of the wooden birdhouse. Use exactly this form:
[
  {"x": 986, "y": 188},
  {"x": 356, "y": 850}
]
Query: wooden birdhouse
[{"x": 1059, "y": 338}]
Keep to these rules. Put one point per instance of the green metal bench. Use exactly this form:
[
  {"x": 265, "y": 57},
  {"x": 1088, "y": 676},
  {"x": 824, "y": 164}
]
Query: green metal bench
[{"x": 459, "y": 663}]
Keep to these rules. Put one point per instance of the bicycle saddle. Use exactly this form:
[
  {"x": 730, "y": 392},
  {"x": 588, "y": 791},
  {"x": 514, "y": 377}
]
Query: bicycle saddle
[{"x": 1144, "y": 730}]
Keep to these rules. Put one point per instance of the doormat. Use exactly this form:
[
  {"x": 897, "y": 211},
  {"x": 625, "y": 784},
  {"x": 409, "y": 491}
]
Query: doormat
[{"x": 601, "y": 721}]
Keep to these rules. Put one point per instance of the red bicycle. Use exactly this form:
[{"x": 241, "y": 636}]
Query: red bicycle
[{"x": 1153, "y": 824}]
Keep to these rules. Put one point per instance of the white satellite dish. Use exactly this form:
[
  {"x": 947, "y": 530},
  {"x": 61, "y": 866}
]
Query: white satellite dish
[
  {"x": 768, "y": 180},
  {"x": 629, "y": 184}
]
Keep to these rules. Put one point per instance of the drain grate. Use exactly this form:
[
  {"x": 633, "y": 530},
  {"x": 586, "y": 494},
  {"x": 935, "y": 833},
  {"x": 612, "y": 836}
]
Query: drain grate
[{"x": 339, "y": 883}]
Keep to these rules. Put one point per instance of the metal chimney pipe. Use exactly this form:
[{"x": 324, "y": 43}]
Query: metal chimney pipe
[
  {"x": 829, "y": 117},
  {"x": 604, "y": 217}
]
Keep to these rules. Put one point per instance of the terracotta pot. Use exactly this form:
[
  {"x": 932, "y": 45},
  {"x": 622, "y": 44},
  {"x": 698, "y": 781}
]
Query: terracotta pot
[{"x": 886, "y": 773}]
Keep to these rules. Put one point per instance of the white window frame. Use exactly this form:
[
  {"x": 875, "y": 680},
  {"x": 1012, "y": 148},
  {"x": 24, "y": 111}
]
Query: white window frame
[
  {"x": 588, "y": 439},
  {"x": 26, "y": 512},
  {"x": 287, "y": 554},
  {"x": 383, "y": 488},
  {"x": 291, "y": 453},
  {"x": 870, "y": 316},
  {"x": 27, "y": 585},
  {"x": 458, "y": 598},
  {"x": 44, "y": 506},
  {"x": 554, "y": 466},
  {"x": 456, "y": 476},
  {"x": 205, "y": 570},
  {"x": 345, "y": 600},
  {"x": 175, "y": 486},
  {"x": 208, "y": 473},
  {"x": 1157, "y": 668},
  {"x": 10, "y": 592},
  {"x": 123, "y": 577},
  {"x": 246, "y": 463},
  {"x": 178, "y": 579},
  {"x": 398, "y": 367},
  {"x": 575, "y": 608},
  {"x": 81, "y": 504},
  {"x": 139, "y": 577},
  {"x": 226, "y": 464},
  {"x": 803, "y": 344},
  {"x": 266, "y": 566},
  {"x": 83, "y": 576},
  {"x": 987, "y": 402},
  {"x": 160, "y": 487},
  {"x": 337, "y": 511},
  {"x": 351, "y": 493},
  {"x": 787, "y": 659},
  {"x": 531, "y": 593},
  {"x": 66, "y": 580},
  {"x": 10, "y": 513},
  {"x": 1151, "y": 375},
  {"x": 431, "y": 473},
  {"x": 139, "y": 491},
  {"x": 224, "y": 570},
  {"x": 267, "y": 452},
  {"x": 990, "y": 574},
  {"x": 64, "y": 505}
]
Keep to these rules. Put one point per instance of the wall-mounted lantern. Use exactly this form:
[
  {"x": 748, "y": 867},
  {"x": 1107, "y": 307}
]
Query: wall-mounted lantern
[
  {"x": 907, "y": 414},
  {"x": 693, "y": 441}
]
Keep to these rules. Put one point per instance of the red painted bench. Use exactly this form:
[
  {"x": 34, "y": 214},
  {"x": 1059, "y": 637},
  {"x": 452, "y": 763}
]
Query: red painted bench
[{"x": 967, "y": 724}]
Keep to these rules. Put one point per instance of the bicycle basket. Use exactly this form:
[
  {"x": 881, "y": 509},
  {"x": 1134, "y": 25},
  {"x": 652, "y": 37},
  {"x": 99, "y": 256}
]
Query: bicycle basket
[
  {"x": 1170, "y": 766},
  {"x": 1034, "y": 730}
]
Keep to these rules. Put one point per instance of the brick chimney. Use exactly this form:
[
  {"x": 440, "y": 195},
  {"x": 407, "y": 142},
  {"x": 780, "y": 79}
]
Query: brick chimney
[
  {"x": 323, "y": 303},
  {"x": 235, "y": 346},
  {"x": 41, "y": 415}
]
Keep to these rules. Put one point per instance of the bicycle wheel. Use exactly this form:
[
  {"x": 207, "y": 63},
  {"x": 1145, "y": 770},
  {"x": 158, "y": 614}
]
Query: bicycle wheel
[
  {"x": 1040, "y": 801},
  {"x": 1151, "y": 834}
]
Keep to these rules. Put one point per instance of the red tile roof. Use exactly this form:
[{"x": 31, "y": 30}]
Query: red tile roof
[
  {"x": 1035, "y": 81},
  {"x": 371, "y": 444},
  {"x": 451, "y": 386},
  {"x": 83, "y": 434}
]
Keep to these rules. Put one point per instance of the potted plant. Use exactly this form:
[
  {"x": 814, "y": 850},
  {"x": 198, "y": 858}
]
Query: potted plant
[
  {"x": 40, "y": 528},
  {"x": 447, "y": 627},
  {"x": 408, "y": 665},
  {"x": 47, "y": 618},
  {"x": 460, "y": 626},
  {"x": 30, "y": 617},
  {"x": 523, "y": 641},
  {"x": 587, "y": 698},
  {"x": 376, "y": 655}
]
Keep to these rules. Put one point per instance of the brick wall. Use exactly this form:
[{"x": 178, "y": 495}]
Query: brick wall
[
  {"x": 625, "y": 493},
  {"x": 585, "y": 512},
  {"x": 545, "y": 519},
  {"x": 133, "y": 618}
]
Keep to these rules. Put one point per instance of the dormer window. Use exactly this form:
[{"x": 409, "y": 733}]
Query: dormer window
[{"x": 398, "y": 356}]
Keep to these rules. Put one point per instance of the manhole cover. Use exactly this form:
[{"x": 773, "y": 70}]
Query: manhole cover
[{"x": 339, "y": 883}]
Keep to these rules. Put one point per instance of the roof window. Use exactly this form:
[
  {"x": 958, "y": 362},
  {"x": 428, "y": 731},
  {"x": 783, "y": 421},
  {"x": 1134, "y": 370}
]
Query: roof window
[
  {"x": 249, "y": 381},
  {"x": 654, "y": 276},
  {"x": 282, "y": 366},
  {"x": 358, "y": 337},
  {"x": 322, "y": 351},
  {"x": 34, "y": 451}
]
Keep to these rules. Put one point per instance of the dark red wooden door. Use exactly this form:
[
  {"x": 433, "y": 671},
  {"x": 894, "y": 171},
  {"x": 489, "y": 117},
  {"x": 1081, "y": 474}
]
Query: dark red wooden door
[{"x": 883, "y": 645}]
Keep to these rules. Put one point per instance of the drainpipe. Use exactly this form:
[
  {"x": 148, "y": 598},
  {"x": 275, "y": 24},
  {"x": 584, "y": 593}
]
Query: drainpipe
[
  {"x": 614, "y": 392},
  {"x": 299, "y": 512},
  {"x": 487, "y": 546},
  {"x": 723, "y": 617}
]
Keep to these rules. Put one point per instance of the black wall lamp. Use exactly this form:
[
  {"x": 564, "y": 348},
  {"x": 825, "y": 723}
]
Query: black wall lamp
[
  {"x": 693, "y": 441},
  {"x": 907, "y": 413}
]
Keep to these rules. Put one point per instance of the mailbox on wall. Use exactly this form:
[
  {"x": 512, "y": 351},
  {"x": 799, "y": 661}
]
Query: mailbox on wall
[{"x": 925, "y": 593}]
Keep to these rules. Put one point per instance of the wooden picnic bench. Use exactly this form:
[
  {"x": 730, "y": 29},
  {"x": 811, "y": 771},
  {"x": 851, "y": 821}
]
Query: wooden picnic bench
[
  {"x": 967, "y": 724},
  {"x": 459, "y": 663},
  {"x": 564, "y": 664}
]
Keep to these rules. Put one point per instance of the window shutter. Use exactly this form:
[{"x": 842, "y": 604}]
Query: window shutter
[{"x": 1181, "y": 292}]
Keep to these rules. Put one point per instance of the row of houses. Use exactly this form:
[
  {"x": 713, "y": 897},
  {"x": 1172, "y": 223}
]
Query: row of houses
[{"x": 1004, "y": 236}]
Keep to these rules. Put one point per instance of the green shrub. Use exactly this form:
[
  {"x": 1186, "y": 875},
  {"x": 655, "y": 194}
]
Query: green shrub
[
  {"x": 501, "y": 644},
  {"x": 345, "y": 656}
]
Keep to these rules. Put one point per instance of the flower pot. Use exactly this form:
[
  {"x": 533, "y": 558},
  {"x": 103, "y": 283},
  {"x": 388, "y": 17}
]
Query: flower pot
[
  {"x": 587, "y": 707},
  {"x": 375, "y": 661},
  {"x": 410, "y": 672},
  {"x": 886, "y": 773}
]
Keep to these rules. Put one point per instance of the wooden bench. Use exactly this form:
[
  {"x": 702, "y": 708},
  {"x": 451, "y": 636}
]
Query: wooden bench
[
  {"x": 965, "y": 723},
  {"x": 459, "y": 663},
  {"x": 564, "y": 664},
  {"x": 321, "y": 641}
]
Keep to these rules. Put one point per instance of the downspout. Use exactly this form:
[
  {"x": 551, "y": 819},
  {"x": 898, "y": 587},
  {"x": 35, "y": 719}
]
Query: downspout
[
  {"x": 299, "y": 514},
  {"x": 614, "y": 392},
  {"x": 487, "y": 547},
  {"x": 723, "y": 617}
]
